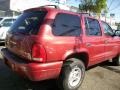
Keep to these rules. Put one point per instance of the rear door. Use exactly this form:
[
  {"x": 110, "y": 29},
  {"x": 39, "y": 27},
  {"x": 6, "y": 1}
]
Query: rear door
[{"x": 94, "y": 40}]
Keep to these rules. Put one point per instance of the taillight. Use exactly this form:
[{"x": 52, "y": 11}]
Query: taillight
[{"x": 38, "y": 53}]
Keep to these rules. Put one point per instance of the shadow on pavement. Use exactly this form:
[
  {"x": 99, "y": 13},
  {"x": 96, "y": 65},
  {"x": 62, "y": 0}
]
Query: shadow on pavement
[
  {"x": 43, "y": 85},
  {"x": 111, "y": 67},
  {"x": 107, "y": 65}
]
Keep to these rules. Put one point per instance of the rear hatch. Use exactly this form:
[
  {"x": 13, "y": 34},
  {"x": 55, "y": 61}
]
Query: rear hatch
[{"x": 23, "y": 33}]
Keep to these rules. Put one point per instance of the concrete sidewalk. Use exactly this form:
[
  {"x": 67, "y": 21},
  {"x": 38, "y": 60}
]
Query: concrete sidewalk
[{"x": 102, "y": 78}]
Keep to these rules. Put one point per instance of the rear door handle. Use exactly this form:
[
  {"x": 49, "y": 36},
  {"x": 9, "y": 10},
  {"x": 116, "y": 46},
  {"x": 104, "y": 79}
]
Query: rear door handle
[
  {"x": 88, "y": 44},
  {"x": 106, "y": 41}
]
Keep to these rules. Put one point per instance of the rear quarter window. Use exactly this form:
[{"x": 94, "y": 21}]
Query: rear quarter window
[
  {"x": 66, "y": 25},
  {"x": 29, "y": 22}
]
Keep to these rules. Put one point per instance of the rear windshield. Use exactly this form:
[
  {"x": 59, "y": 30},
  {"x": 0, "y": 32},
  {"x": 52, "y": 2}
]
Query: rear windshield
[{"x": 29, "y": 22}]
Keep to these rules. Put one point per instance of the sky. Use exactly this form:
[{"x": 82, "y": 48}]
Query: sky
[
  {"x": 114, "y": 8},
  {"x": 112, "y": 5}
]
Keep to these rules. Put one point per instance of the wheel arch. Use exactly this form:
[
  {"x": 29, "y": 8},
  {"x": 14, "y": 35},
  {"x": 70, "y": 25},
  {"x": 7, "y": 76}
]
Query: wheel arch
[{"x": 83, "y": 56}]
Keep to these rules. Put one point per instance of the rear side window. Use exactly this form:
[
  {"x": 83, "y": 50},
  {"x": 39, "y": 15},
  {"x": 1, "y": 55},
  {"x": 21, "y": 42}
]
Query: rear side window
[
  {"x": 66, "y": 25},
  {"x": 29, "y": 22},
  {"x": 92, "y": 27}
]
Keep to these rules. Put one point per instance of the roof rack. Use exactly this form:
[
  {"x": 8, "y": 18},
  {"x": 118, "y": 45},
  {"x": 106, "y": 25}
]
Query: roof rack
[{"x": 55, "y": 6}]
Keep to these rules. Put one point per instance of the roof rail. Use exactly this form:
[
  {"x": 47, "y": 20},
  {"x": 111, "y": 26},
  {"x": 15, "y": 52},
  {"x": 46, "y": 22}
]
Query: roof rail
[
  {"x": 85, "y": 14},
  {"x": 55, "y": 6}
]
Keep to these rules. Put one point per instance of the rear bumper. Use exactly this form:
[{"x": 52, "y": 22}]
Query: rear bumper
[{"x": 34, "y": 71}]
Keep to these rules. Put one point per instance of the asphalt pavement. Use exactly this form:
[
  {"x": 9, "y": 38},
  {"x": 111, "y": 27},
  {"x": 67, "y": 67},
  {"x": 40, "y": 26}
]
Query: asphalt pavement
[{"x": 100, "y": 77}]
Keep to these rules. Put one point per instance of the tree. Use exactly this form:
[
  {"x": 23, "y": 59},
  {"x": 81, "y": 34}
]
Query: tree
[{"x": 95, "y": 6}]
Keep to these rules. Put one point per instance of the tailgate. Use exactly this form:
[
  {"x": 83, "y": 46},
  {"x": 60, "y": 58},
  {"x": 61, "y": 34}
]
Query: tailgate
[
  {"x": 21, "y": 34},
  {"x": 20, "y": 45}
]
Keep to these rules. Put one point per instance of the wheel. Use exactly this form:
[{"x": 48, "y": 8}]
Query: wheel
[
  {"x": 72, "y": 75},
  {"x": 116, "y": 60}
]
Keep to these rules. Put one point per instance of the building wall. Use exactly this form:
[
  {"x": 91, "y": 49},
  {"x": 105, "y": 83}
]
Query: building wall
[
  {"x": 5, "y": 9},
  {"x": 4, "y": 5},
  {"x": 21, "y": 5}
]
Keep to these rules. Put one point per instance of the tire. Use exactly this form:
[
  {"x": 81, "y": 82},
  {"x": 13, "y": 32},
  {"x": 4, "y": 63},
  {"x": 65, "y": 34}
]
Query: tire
[
  {"x": 72, "y": 74},
  {"x": 116, "y": 60}
]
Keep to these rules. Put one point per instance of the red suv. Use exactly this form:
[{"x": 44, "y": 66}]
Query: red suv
[{"x": 47, "y": 43}]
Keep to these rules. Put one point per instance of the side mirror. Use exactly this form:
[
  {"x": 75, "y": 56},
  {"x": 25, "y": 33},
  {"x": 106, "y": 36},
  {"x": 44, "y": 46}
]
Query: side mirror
[{"x": 117, "y": 33}]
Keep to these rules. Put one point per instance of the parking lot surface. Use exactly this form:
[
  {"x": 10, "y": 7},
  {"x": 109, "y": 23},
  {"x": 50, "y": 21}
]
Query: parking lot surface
[{"x": 101, "y": 77}]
